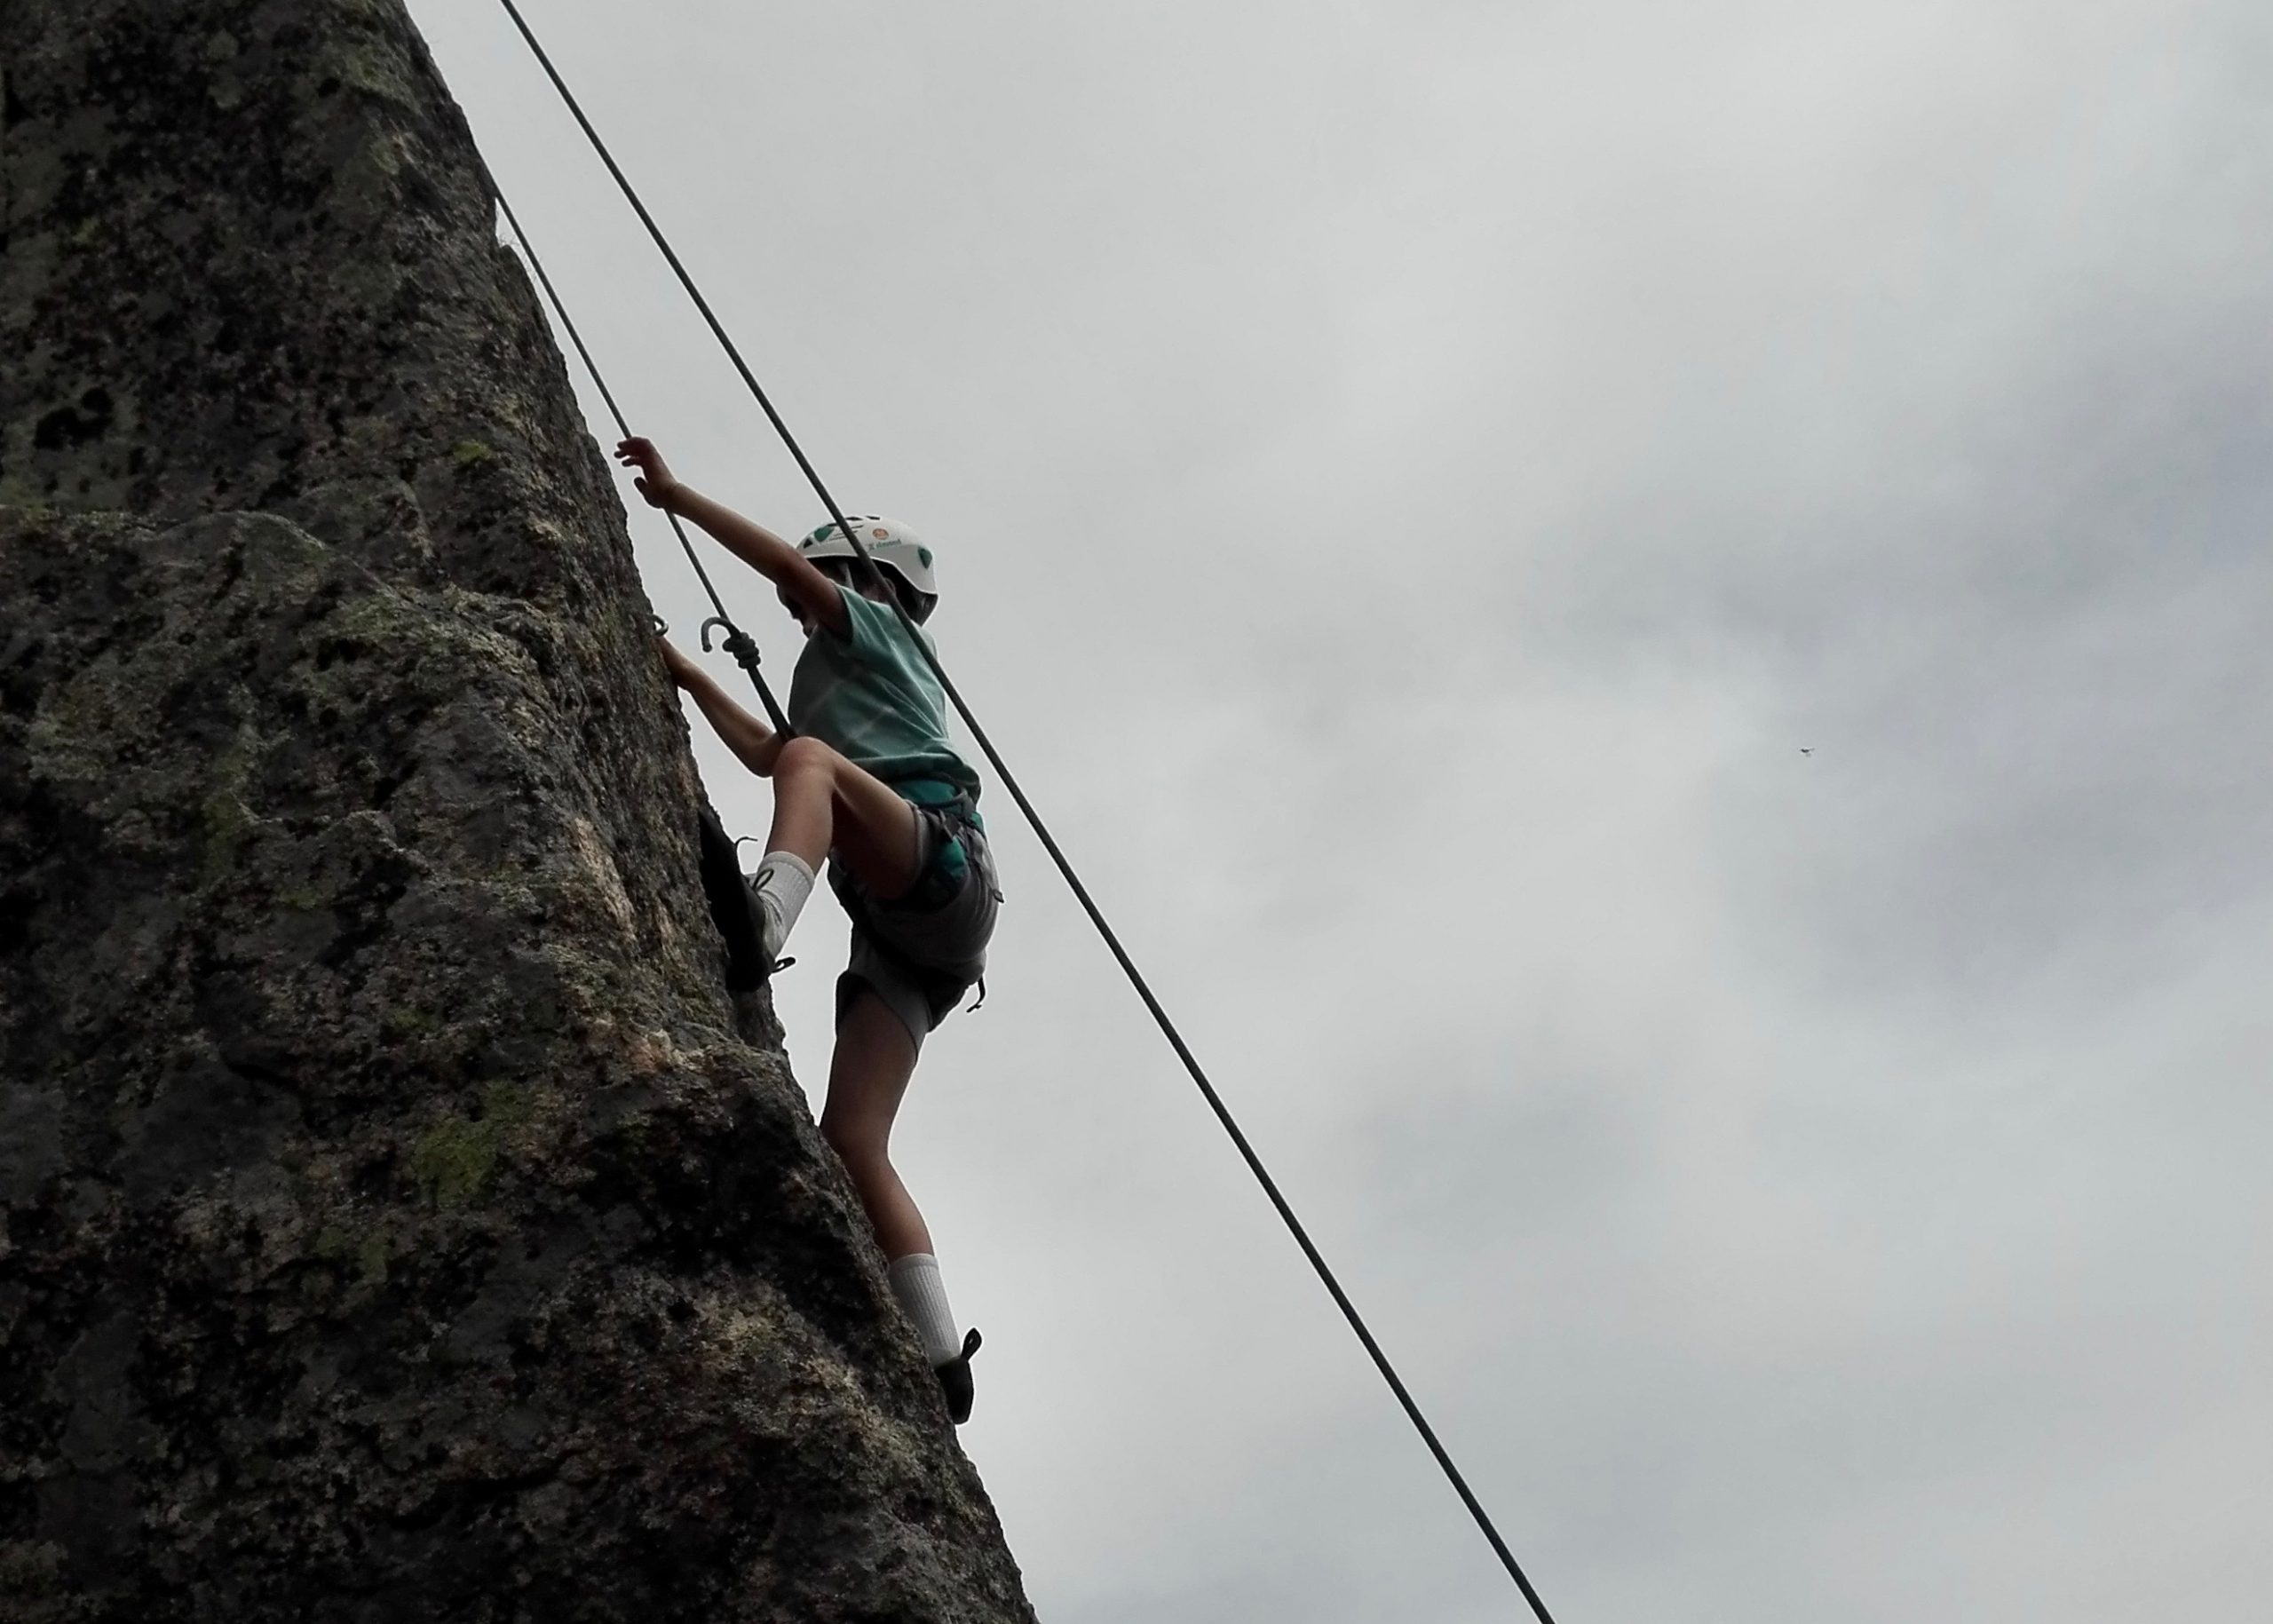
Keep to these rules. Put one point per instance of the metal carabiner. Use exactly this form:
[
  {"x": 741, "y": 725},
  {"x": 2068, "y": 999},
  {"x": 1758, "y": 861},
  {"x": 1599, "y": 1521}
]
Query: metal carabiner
[{"x": 736, "y": 642}]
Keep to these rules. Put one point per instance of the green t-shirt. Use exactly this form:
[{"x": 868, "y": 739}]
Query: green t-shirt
[{"x": 872, "y": 697}]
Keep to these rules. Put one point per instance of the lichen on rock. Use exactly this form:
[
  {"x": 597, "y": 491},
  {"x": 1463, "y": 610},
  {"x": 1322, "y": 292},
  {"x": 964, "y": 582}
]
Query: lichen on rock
[{"x": 402, "y": 1220}]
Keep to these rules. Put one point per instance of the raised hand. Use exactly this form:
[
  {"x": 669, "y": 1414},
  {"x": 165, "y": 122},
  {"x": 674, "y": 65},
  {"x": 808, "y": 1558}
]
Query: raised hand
[{"x": 655, "y": 482}]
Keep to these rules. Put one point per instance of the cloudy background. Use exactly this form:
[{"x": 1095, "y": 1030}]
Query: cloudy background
[{"x": 1410, "y": 479}]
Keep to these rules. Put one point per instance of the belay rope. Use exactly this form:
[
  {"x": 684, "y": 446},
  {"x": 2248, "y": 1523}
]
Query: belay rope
[
  {"x": 1009, "y": 782},
  {"x": 736, "y": 641}
]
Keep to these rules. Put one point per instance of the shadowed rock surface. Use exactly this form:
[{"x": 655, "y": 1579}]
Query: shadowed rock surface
[{"x": 400, "y": 1223}]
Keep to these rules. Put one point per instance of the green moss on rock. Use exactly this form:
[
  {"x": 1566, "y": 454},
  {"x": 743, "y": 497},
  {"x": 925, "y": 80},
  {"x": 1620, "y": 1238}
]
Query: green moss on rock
[{"x": 454, "y": 1159}]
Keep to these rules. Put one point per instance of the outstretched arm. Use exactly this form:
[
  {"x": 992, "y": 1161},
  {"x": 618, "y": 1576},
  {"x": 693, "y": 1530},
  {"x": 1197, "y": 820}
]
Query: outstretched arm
[
  {"x": 805, "y": 587},
  {"x": 752, "y": 739}
]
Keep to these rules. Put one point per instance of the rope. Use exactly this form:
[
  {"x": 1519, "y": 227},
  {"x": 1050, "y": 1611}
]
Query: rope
[
  {"x": 736, "y": 642},
  {"x": 1050, "y": 843}
]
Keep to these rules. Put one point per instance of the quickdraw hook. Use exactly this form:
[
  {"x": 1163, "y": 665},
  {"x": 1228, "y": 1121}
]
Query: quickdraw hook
[{"x": 736, "y": 642}]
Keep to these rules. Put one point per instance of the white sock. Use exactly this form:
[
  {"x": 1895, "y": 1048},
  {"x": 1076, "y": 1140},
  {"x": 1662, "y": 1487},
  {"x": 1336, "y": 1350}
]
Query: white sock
[
  {"x": 915, "y": 1284},
  {"x": 783, "y": 881}
]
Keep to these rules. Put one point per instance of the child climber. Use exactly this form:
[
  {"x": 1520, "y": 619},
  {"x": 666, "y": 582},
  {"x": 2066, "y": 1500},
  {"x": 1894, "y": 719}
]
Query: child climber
[{"x": 869, "y": 783}]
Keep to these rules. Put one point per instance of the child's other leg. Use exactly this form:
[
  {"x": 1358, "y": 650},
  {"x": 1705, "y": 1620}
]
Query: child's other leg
[
  {"x": 823, "y": 803},
  {"x": 867, "y": 1077}
]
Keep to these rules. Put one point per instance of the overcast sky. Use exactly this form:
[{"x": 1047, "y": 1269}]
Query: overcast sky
[{"x": 1410, "y": 481}]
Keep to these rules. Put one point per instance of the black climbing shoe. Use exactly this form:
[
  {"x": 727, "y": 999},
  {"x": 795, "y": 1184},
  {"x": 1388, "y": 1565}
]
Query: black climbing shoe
[
  {"x": 954, "y": 1380},
  {"x": 734, "y": 908}
]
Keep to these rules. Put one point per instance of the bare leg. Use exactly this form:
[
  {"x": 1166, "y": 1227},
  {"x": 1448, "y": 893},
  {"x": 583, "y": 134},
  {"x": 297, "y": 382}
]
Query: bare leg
[
  {"x": 823, "y": 803},
  {"x": 867, "y": 1077}
]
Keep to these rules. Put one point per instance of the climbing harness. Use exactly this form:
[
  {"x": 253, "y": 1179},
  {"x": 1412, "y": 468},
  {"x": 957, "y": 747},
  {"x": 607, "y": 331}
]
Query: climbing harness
[{"x": 1065, "y": 868}]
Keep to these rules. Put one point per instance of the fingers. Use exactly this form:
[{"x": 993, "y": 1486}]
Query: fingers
[
  {"x": 654, "y": 482},
  {"x": 640, "y": 453}
]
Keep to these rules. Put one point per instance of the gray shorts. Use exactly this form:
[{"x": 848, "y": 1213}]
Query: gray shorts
[{"x": 921, "y": 952}]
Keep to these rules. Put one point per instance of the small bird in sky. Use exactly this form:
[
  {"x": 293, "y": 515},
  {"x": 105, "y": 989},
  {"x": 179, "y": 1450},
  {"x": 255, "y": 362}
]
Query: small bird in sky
[{"x": 1807, "y": 749}]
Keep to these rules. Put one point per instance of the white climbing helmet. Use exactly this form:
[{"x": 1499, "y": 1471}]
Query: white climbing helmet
[{"x": 891, "y": 544}]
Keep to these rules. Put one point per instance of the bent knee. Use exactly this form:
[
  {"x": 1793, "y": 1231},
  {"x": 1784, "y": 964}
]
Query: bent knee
[
  {"x": 857, "y": 1146},
  {"x": 804, "y": 755}
]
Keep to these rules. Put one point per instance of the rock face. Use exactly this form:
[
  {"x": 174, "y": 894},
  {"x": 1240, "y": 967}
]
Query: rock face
[{"x": 399, "y": 1225}]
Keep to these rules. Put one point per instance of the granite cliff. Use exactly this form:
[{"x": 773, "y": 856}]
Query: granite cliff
[{"x": 401, "y": 1222}]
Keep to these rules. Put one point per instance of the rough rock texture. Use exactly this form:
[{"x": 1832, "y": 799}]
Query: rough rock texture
[{"x": 399, "y": 1225}]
